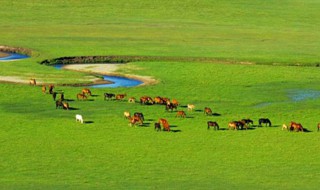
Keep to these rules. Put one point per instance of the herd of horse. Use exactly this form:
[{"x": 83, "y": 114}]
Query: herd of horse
[{"x": 162, "y": 124}]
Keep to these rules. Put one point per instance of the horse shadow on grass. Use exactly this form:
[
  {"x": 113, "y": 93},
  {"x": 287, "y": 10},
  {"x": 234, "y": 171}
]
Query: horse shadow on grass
[
  {"x": 88, "y": 122},
  {"x": 72, "y": 108},
  {"x": 69, "y": 100},
  {"x": 145, "y": 125},
  {"x": 93, "y": 95}
]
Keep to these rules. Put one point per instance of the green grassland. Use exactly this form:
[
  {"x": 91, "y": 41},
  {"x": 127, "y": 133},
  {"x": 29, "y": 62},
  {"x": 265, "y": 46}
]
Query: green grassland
[{"x": 44, "y": 148}]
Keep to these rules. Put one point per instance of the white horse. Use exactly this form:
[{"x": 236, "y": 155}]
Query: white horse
[
  {"x": 284, "y": 127},
  {"x": 190, "y": 107},
  {"x": 79, "y": 118}
]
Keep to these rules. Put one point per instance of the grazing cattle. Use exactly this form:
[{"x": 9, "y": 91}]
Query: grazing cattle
[
  {"x": 86, "y": 91},
  {"x": 233, "y": 125},
  {"x": 140, "y": 115},
  {"x": 120, "y": 96},
  {"x": 59, "y": 104},
  {"x": 79, "y": 118},
  {"x": 165, "y": 124},
  {"x": 295, "y": 126},
  {"x": 213, "y": 124},
  {"x": 157, "y": 126},
  {"x": 51, "y": 87},
  {"x": 65, "y": 105},
  {"x": 207, "y": 111},
  {"x": 132, "y": 100},
  {"x": 190, "y": 107},
  {"x": 266, "y": 121},
  {"x": 181, "y": 114},
  {"x": 44, "y": 89},
  {"x": 126, "y": 114},
  {"x": 54, "y": 95},
  {"x": 146, "y": 100},
  {"x": 32, "y": 82},
  {"x": 135, "y": 120},
  {"x": 284, "y": 127},
  {"x": 170, "y": 107},
  {"x": 318, "y": 127},
  {"x": 109, "y": 96},
  {"x": 81, "y": 97},
  {"x": 247, "y": 121}
]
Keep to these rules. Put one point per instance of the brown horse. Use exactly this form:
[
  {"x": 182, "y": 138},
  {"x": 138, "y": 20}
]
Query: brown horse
[
  {"x": 51, "y": 87},
  {"x": 81, "y": 97},
  {"x": 158, "y": 100},
  {"x": 33, "y": 82},
  {"x": 175, "y": 102},
  {"x": 164, "y": 124},
  {"x": 59, "y": 104},
  {"x": 44, "y": 89},
  {"x": 157, "y": 126},
  {"x": 120, "y": 96},
  {"x": 207, "y": 111},
  {"x": 181, "y": 114},
  {"x": 318, "y": 127},
  {"x": 295, "y": 126},
  {"x": 146, "y": 100},
  {"x": 86, "y": 91},
  {"x": 213, "y": 124},
  {"x": 135, "y": 120},
  {"x": 140, "y": 115}
]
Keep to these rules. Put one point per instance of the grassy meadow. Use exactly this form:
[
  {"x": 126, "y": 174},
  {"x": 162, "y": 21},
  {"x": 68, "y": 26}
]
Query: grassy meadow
[{"x": 44, "y": 148}]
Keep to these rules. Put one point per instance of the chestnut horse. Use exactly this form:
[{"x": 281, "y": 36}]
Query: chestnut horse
[
  {"x": 233, "y": 125},
  {"x": 181, "y": 114},
  {"x": 207, "y": 111},
  {"x": 81, "y": 97},
  {"x": 213, "y": 124},
  {"x": 295, "y": 126},
  {"x": 318, "y": 127},
  {"x": 33, "y": 82},
  {"x": 164, "y": 124},
  {"x": 86, "y": 91}
]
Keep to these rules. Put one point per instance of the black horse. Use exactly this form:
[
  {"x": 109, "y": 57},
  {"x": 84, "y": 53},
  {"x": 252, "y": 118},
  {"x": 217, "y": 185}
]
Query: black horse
[
  {"x": 109, "y": 96},
  {"x": 266, "y": 121},
  {"x": 213, "y": 124},
  {"x": 247, "y": 121}
]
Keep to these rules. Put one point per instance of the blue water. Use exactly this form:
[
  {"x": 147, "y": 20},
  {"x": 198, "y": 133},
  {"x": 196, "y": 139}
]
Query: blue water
[
  {"x": 300, "y": 95},
  {"x": 13, "y": 56},
  {"x": 116, "y": 81}
]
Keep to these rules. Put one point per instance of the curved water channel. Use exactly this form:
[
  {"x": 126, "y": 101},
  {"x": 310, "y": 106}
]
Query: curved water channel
[{"x": 117, "y": 81}]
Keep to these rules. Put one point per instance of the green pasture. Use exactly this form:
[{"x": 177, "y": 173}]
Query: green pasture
[{"x": 44, "y": 148}]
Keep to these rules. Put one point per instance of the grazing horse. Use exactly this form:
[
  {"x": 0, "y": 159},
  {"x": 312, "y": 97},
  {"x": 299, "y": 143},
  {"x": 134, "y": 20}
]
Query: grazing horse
[
  {"x": 62, "y": 96},
  {"x": 295, "y": 126},
  {"x": 165, "y": 124},
  {"x": 158, "y": 100},
  {"x": 207, "y": 111},
  {"x": 284, "y": 127},
  {"x": 242, "y": 124},
  {"x": 65, "y": 105},
  {"x": 170, "y": 107},
  {"x": 247, "y": 121},
  {"x": 44, "y": 89},
  {"x": 233, "y": 125},
  {"x": 140, "y": 115},
  {"x": 86, "y": 91},
  {"x": 126, "y": 114},
  {"x": 266, "y": 121},
  {"x": 175, "y": 102},
  {"x": 157, "y": 126},
  {"x": 32, "y": 82},
  {"x": 213, "y": 124},
  {"x": 318, "y": 127},
  {"x": 181, "y": 114},
  {"x": 132, "y": 100},
  {"x": 79, "y": 118},
  {"x": 51, "y": 87},
  {"x": 120, "y": 96},
  {"x": 190, "y": 107},
  {"x": 146, "y": 100},
  {"x": 54, "y": 95},
  {"x": 135, "y": 120},
  {"x": 109, "y": 96},
  {"x": 81, "y": 97},
  {"x": 59, "y": 104}
]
